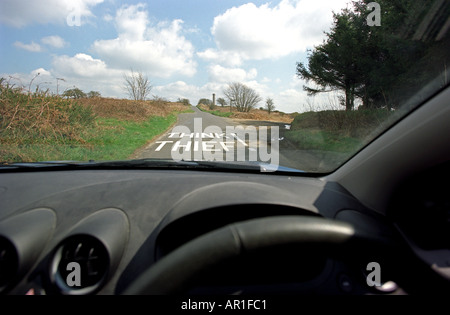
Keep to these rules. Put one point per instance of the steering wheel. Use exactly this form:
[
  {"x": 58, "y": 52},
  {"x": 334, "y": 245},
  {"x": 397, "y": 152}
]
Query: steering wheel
[{"x": 174, "y": 273}]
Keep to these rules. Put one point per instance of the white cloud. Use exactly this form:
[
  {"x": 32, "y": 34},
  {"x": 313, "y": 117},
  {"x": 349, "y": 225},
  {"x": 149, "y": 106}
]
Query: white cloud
[
  {"x": 39, "y": 78},
  {"x": 159, "y": 50},
  {"x": 295, "y": 99},
  {"x": 81, "y": 65},
  {"x": 228, "y": 58},
  {"x": 41, "y": 72},
  {"x": 260, "y": 88},
  {"x": 298, "y": 83},
  {"x": 263, "y": 32},
  {"x": 33, "y": 47},
  {"x": 88, "y": 74},
  {"x": 108, "y": 17},
  {"x": 218, "y": 73},
  {"x": 131, "y": 22},
  {"x": 292, "y": 100},
  {"x": 19, "y": 13},
  {"x": 178, "y": 89},
  {"x": 54, "y": 41}
]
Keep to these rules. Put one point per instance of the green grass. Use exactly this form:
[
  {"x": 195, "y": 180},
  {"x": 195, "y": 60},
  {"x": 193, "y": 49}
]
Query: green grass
[
  {"x": 356, "y": 123},
  {"x": 111, "y": 139},
  {"x": 42, "y": 127},
  {"x": 122, "y": 138},
  {"x": 314, "y": 139},
  {"x": 338, "y": 131},
  {"x": 216, "y": 112},
  {"x": 219, "y": 113}
]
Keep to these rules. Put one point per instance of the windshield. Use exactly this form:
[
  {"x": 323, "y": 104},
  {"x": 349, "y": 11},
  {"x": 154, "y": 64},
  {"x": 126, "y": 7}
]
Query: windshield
[{"x": 292, "y": 85}]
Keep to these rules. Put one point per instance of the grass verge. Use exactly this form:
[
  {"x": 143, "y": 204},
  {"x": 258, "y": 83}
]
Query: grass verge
[
  {"x": 337, "y": 131},
  {"x": 42, "y": 127},
  {"x": 110, "y": 139},
  {"x": 119, "y": 139},
  {"x": 220, "y": 114},
  {"x": 315, "y": 139}
]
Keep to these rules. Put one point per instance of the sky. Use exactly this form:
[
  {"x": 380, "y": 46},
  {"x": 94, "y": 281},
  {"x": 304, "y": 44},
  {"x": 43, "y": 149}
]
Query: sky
[{"x": 187, "y": 48}]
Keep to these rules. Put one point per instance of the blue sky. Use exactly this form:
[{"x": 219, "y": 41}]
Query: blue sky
[{"x": 187, "y": 48}]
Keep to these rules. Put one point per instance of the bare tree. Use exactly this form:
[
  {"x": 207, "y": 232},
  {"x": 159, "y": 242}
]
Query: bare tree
[
  {"x": 241, "y": 96},
  {"x": 270, "y": 106},
  {"x": 137, "y": 85}
]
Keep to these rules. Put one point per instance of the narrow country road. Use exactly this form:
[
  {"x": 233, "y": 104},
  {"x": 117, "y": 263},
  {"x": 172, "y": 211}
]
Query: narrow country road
[{"x": 203, "y": 136}]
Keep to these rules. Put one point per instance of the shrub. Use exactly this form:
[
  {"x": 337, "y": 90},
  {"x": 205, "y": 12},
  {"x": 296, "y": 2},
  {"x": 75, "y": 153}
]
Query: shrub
[
  {"x": 40, "y": 117},
  {"x": 184, "y": 101},
  {"x": 350, "y": 123}
]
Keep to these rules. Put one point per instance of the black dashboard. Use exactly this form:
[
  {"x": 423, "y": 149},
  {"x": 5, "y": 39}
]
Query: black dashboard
[{"x": 117, "y": 224}]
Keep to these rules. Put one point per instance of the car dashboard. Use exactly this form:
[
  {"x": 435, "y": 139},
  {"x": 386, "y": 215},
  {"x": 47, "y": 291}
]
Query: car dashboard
[{"x": 113, "y": 225}]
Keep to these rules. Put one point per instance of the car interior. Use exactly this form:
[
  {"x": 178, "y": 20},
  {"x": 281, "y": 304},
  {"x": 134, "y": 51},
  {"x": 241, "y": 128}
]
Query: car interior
[{"x": 208, "y": 231}]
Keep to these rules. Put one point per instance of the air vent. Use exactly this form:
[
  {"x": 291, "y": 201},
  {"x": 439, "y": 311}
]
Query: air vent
[
  {"x": 80, "y": 265},
  {"x": 9, "y": 263},
  {"x": 22, "y": 239}
]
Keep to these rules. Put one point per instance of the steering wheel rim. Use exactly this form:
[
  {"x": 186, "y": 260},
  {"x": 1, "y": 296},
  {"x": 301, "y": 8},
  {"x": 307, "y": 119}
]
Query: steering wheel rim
[{"x": 174, "y": 273}]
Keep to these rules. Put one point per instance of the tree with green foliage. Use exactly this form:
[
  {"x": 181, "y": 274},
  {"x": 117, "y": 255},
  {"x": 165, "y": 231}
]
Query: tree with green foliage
[
  {"x": 392, "y": 50},
  {"x": 184, "y": 101},
  {"x": 374, "y": 63},
  {"x": 204, "y": 101},
  {"x": 74, "y": 93},
  {"x": 221, "y": 101},
  {"x": 93, "y": 94},
  {"x": 332, "y": 65}
]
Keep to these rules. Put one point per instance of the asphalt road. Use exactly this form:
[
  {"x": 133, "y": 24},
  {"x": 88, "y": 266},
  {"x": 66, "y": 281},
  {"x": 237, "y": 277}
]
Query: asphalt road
[{"x": 203, "y": 136}]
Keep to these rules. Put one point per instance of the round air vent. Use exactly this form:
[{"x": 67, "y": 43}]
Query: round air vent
[
  {"x": 80, "y": 265},
  {"x": 9, "y": 263}
]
